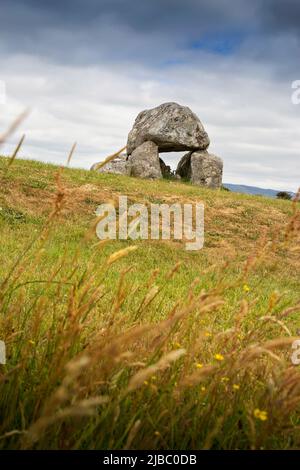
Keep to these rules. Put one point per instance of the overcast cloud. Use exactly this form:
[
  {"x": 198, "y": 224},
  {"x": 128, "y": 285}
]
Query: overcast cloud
[{"x": 86, "y": 68}]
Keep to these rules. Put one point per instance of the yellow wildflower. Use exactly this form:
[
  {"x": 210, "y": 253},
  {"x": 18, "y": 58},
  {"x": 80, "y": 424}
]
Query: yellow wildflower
[
  {"x": 260, "y": 414},
  {"x": 219, "y": 357},
  {"x": 246, "y": 288},
  {"x": 235, "y": 387},
  {"x": 199, "y": 365},
  {"x": 203, "y": 388}
]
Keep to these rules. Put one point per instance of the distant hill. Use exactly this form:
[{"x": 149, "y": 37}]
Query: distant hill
[{"x": 241, "y": 188}]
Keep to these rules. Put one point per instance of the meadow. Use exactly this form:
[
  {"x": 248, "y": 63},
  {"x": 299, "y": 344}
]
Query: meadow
[{"x": 142, "y": 344}]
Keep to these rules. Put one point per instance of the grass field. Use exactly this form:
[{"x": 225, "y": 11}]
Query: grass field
[{"x": 153, "y": 348}]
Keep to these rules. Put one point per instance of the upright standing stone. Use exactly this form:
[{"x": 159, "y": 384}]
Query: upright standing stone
[
  {"x": 206, "y": 169},
  {"x": 144, "y": 161},
  {"x": 165, "y": 169},
  {"x": 184, "y": 166}
]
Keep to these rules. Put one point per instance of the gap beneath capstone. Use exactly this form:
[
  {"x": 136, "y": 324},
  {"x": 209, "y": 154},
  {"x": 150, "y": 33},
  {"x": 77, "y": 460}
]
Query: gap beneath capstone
[{"x": 172, "y": 158}]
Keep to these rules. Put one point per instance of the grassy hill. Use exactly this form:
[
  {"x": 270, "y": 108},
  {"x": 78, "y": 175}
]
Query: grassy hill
[{"x": 153, "y": 348}]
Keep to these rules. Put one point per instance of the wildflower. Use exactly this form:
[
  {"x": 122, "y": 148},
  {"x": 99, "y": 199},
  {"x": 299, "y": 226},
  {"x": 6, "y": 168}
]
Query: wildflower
[
  {"x": 208, "y": 334},
  {"x": 235, "y": 387},
  {"x": 219, "y": 357},
  {"x": 31, "y": 342},
  {"x": 153, "y": 377},
  {"x": 246, "y": 288},
  {"x": 225, "y": 379},
  {"x": 260, "y": 414},
  {"x": 178, "y": 345},
  {"x": 263, "y": 415},
  {"x": 145, "y": 382},
  {"x": 199, "y": 365},
  {"x": 203, "y": 388}
]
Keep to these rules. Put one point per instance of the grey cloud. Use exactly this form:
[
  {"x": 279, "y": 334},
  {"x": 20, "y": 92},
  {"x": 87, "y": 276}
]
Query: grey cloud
[
  {"x": 282, "y": 16},
  {"x": 105, "y": 29},
  {"x": 152, "y": 32}
]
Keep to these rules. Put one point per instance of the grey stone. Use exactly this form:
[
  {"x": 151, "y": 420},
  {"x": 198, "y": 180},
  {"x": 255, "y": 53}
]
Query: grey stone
[
  {"x": 184, "y": 166},
  {"x": 171, "y": 127},
  {"x": 201, "y": 168},
  {"x": 165, "y": 169},
  {"x": 118, "y": 166},
  {"x": 168, "y": 127},
  {"x": 206, "y": 169},
  {"x": 144, "y": 161}
]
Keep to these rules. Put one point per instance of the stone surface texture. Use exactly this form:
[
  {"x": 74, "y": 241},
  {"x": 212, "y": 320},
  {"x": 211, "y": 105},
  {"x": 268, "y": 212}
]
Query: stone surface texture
[
  {"x": 144, "y": 161},
  {"x": 172, "y": 127}
]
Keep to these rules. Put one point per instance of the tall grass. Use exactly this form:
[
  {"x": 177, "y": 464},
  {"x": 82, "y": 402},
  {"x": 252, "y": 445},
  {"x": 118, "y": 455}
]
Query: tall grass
[{"x": 82, "y": 372}]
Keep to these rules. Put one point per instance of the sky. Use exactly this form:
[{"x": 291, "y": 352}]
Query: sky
[{"x": 87, "y": 68}]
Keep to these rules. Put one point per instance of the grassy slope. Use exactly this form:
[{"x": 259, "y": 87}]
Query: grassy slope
[{"x": 235, "y": 225}]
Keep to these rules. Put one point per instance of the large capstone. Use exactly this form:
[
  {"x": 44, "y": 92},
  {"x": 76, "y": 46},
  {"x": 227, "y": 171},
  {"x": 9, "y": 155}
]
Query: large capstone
[
  {"x": 144, "y": 161},
  {"x": 201, "y": 168},
  {"x": 173, "y": 128}
]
